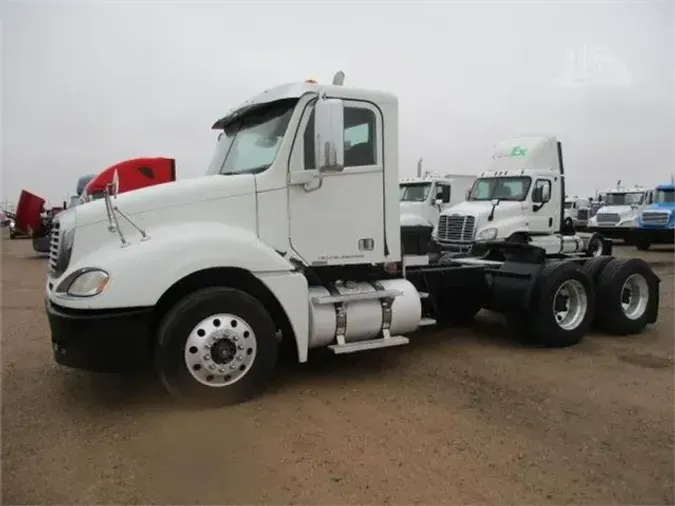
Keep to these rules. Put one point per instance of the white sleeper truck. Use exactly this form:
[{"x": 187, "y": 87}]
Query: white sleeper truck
[
  {"x": 519, "y": 198},
  {"x": 424, "y": 198},
  {"x": 293, "y": 237},
  {"x": 621, "y": 208}
]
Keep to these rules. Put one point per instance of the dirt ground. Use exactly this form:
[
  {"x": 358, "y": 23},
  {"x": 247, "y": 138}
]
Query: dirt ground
[{"x": 462, "y": 416}]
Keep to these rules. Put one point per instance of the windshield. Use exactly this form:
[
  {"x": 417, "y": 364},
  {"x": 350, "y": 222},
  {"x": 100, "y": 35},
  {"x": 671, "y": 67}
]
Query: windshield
[
  {"x": 502, "y": 188},
  {"x": 665, "y": 196},
  {"x": 249, "y": 144},
  {"x": 414, "y": 192},
  {"x": 624, "y": 199}
]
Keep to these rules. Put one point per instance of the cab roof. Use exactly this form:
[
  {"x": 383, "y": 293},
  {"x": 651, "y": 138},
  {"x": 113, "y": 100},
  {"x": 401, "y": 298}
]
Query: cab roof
[{"x": 297, "y": 90}]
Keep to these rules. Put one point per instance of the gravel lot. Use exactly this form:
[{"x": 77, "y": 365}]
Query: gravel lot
[{"x": 465, "y": 416}]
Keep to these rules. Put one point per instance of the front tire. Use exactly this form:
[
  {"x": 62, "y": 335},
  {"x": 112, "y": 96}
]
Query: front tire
[{"x": 216, "y": 346}]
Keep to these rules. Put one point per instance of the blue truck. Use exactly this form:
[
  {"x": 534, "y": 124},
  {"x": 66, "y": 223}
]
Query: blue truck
[{"x": 656, "y": 223}]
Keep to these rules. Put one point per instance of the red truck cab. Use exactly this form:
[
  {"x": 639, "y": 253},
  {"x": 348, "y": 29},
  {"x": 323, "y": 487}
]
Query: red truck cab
[{"x": 132, "y": 174}]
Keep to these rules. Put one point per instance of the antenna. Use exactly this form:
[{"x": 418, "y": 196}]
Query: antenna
[
  {"x": 672, "y": 178},
  {"x": 419, "y": 167}
]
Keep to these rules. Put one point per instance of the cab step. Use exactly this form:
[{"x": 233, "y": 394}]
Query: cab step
[
  {"x": 425, "y": 322},
  {"x": 371, "y": 344}
]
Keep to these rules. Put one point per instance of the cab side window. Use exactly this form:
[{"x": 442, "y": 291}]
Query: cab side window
[
  {"x": 443, "y": 193},
  {"x": 360, "y": 138},
  {"x": 541, "y": 191}
]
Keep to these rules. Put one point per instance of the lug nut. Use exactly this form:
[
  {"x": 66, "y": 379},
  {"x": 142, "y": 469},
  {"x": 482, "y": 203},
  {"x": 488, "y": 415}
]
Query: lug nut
[
  {"x": 235, "y": 338},
  {"x": 207, "y": 357},
  {"x": 239, "y": 358},
  {"x": 212, "y": 367},
  {"x": 233, "y": 366},
  {"x": 240, "y": 347},
  {"x": 222, "y": 369}
]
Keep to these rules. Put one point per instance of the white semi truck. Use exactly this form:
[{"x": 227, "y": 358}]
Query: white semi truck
[
  {"x": 577, "y": 211},
  {"x": 292, "y": 238},
  {"x": 424, "y": 198},
  {"x": 519, "y": 198},
  {"x": 621, "y": 208}
]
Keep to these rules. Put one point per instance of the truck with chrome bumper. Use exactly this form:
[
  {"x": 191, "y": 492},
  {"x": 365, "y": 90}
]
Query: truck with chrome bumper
[
  {"x": 656, "y": 224},
  {"x": 206, "y": 280}
]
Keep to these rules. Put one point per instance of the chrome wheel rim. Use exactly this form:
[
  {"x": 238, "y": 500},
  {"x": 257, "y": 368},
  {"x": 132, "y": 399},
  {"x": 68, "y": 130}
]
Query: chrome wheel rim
[
  {"x": 634, "y": 296},
  {"x": 220, "y": 350},
  {"x": 570, "y": 304}
]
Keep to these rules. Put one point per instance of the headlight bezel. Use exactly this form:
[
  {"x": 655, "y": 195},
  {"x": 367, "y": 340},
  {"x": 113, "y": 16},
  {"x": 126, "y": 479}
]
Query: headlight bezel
[{"x": 66, "y": 285}]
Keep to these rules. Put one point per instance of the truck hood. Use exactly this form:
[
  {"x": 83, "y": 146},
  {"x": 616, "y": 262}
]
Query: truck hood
[
  {"x": 481, "y": 208},
  {"x": 620, "y": 210},
  {"x": 169, "y": 195},
  {"x": 661, "y": 206},
  {"x": 413, "y": 214}
]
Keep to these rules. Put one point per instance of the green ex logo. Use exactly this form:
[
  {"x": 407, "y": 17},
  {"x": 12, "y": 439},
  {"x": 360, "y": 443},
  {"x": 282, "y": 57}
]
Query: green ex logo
[{"x": 518, "y": 151}]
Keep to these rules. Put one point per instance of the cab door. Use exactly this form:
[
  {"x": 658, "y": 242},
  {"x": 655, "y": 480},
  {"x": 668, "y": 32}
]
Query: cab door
[{"x": 339, "y": 218}]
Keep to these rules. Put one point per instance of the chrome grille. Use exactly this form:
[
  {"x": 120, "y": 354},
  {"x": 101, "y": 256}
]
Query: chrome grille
[
  {"x": 456, "y": 228},
  {"x": 582, "y": 214},
  {"x": 655, "y": 218},
  {"x": 607, "y": 218},
  {"x": 54, "y": 245}
]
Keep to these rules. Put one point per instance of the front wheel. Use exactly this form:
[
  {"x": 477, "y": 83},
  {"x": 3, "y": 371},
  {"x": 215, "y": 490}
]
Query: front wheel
[{"x": 217, "y": 346}]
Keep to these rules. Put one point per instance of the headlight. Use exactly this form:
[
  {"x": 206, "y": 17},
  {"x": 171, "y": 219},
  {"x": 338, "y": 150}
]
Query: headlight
[
  {"x": 629, "y": 222},
  {"x": 487, "y": 235},
  {"x": 85, "y": 282},
  {"x": 593, "y": 221}
]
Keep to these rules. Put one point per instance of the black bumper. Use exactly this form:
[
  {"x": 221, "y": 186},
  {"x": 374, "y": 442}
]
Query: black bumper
[
  {"x": 100, "y": 341},
  {"x": 654, "y": 235},
  {"x": 623, "y": 233}
]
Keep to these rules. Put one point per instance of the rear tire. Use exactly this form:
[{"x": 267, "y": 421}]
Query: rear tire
[
  {"x": 217, "y": 347},
  {"x": 563, "y": 303},
  {"x": 598, "y": 246},
  {"x": 626, "y": 287},
  {"x": 642, "y": 245}
]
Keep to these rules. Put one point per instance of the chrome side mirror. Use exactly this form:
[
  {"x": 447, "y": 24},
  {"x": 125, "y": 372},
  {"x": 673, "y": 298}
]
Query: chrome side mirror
[{"x": 329, "y": 140}]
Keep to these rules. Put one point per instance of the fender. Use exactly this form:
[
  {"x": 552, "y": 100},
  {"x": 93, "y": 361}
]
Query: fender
[{"x": 141, "y": 272}]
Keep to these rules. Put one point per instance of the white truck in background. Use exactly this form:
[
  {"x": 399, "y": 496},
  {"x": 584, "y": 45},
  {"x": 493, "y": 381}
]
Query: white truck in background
[
  {"x": 293, "y": 238},
  {"x": 424, "y": 198},
  {"x": 577, "y": 211},
  {"x": 519, "y": 198},
  {"x": 621, "y": 208}
]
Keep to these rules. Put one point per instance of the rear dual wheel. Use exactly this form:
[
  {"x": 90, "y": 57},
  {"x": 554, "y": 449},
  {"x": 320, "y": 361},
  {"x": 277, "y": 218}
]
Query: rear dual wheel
[
  {"x": 627, "y": 289},
  {"x": 562, "y": 309}
]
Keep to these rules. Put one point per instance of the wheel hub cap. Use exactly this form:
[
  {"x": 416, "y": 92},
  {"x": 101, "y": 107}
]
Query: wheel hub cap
[
  {"x": 570, "y": 304},
  {"x": 220, "y": 350},
  {"x": 634, "y": 296}
]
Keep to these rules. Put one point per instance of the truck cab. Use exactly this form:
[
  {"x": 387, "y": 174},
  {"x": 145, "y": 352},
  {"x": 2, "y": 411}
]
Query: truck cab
[
  {"x": 577, "y": 210},
  {"x": 656, "y": 222},
  {"x": 619, "y": 213},
  {"x": 129, "y": 175},
  {"x": 520, "y": 194}
]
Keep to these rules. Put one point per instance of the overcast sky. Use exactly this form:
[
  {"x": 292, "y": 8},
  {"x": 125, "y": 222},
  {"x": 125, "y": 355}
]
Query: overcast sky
[{"x": 85, "y": 85}]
